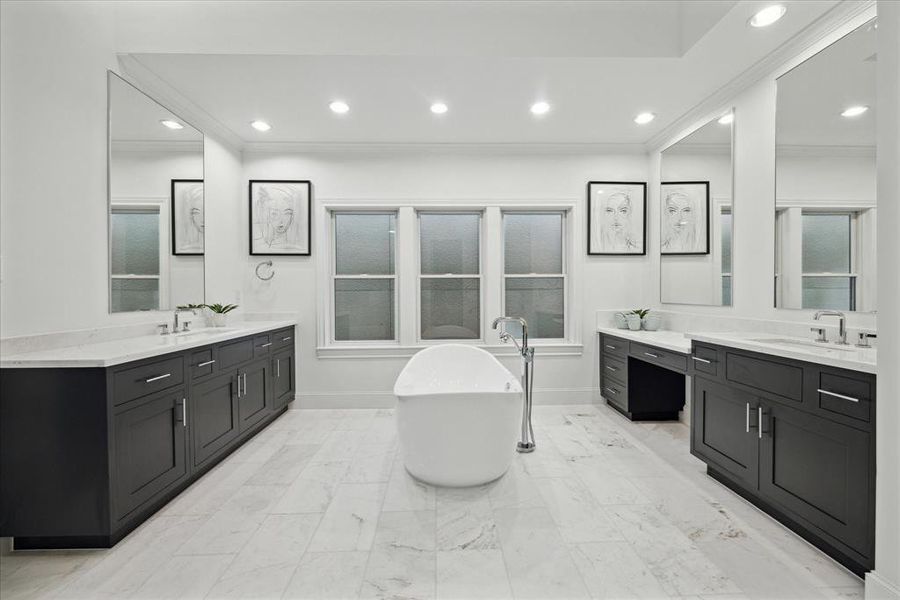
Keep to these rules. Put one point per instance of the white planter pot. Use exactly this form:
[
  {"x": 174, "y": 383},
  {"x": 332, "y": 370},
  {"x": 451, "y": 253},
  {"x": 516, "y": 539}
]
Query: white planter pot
[
  {"x": 651, "y": 322},
  {"x": 219, "y": 319}
]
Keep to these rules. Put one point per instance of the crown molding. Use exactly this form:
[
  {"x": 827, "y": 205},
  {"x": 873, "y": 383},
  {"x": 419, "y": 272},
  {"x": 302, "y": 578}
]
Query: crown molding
[
  {"x": 187, "y": 146},
  {"x": 813, "y": 34},
  {"x": 812, "y": 151},
  {"x": 399, "y": 148},
  {"x": 150, "y": 83},
  {"x": 699, "y": 149}
]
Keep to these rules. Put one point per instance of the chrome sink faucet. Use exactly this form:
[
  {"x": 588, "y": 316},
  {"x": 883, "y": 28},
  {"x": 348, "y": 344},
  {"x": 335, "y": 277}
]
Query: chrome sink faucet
[
  {"x": 184, "y": 327},
  {"x": 842, "y": 323}
]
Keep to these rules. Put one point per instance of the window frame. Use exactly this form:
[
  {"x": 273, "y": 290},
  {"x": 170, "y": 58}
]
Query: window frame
[
  {"x": 852, "y": 249},
  {"x": 361, "y": 277},
  {"x": 406, "y": 268},
  {"x": 160, "y": 206},
  {"x": 565, "y": 267},
  {"x": 419, "y": 275}
]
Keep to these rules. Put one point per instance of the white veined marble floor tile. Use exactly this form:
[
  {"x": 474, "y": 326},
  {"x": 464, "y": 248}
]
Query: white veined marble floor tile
[{"x": 319, "y": 505}]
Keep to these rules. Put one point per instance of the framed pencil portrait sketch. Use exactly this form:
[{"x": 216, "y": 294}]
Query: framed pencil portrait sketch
[
  {"x": 617, "y": 218},
  {"x": 280, "y": 217},
  {"x": 684, "y": 217},
  {"x": 187, "y": 217}
]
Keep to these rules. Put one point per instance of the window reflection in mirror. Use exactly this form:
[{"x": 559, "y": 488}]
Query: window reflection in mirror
[
  {"x": 825, "y": 205},
  {"x": 156, "y": 216},
  {"x": 696, "y": 216}
]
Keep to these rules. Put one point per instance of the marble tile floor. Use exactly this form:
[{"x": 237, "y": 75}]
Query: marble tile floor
[{"x": 319, "y": 505}]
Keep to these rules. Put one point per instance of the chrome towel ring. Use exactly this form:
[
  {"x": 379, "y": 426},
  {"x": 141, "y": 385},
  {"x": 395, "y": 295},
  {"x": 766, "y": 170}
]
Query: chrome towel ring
[{"x": 268, "y": 264}]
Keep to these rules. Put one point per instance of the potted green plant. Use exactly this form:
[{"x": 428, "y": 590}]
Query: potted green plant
[
  {"x": 634, "y": 318},
  {"x": 220, "y": 313},
  {"x": 649, "y": 321}
]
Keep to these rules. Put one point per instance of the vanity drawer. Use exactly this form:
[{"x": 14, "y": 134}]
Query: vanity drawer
[
  {"x": 615, "y": 368},
  {"x": 202, "y": 363},
  {"x": 283, "y": 338},
  {"x": 234, "y": 353},
  {"x": 262, "y": 344},
  {"x": 845, "y": 395},
  {"x": 663, "y": 358},
  {"x": 614, "y": 346},
  {"x": 705, "y": 360},
  {"x": 776, "y": 378},
  {"x": 147, "y": 378},
  {"x": 615, "y": 392}
]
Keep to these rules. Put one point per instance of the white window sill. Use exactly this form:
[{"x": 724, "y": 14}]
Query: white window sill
[{"x": 397, "y": 351}]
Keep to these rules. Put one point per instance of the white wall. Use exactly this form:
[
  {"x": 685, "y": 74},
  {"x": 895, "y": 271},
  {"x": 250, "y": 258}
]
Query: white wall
[
  {"x": 884, "y": 582},
  {"x": 608, "y": 282},
  {"x": 53, "y": 62}
]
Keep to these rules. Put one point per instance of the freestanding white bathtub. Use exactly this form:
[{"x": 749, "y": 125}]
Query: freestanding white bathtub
[{"x": 458, "y": 415}]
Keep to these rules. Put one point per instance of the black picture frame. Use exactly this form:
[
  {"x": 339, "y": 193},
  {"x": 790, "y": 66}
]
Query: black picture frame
[
  {"x": 591, "y": 251},
  {"x": 256, "y": 225},
  {"x": 174, "y": 221},
  {"x": 705, "y": 222}
]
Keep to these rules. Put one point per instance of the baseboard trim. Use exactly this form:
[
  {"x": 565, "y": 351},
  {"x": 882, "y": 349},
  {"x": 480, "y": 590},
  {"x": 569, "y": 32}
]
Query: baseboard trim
[
  {"x": 546, "y": 396},
  {"x": 877, "y": 588}
]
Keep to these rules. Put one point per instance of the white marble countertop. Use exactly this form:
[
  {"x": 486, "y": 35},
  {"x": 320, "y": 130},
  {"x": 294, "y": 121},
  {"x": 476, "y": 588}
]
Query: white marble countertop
[
  {"x": 669, "y": 340},
  {"x": 110, "y": 353},
  {"x": 844, "y": 357}
]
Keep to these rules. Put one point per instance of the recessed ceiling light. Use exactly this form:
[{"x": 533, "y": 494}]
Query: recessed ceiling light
[
  {"x": 767, "y": 16},
  {"x": 726, "y": 119},
  {"x": 854, "y": 111},
  {"x": 339, "y": 106},
  {"x": 439, "y": 108},
  {"x": 171, "y": 124},
  {"x": 260, "y": 126},
  {"x": 644, "y": 118},
  {"x": 540, "y": 108}
]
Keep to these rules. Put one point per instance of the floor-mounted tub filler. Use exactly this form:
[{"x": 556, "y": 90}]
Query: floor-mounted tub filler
[{"x": 458, "y": 414}]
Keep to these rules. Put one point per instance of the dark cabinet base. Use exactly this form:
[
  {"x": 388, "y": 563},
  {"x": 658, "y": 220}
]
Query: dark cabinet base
[{"x": 855, "y": 565}]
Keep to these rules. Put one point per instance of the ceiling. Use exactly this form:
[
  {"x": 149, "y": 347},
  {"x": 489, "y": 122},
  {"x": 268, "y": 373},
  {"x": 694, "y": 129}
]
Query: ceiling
[
  {"x": 597, "y": 64},
  {"x": 135, "y": 117},
  {"x": 812, "y": 96}
]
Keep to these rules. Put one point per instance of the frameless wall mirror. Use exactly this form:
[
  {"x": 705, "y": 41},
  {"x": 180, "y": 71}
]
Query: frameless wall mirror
[
  {"x": 156, "y": 208},
  {"x": 825, "y": 209},
  {"x": 696, "y": 217}
]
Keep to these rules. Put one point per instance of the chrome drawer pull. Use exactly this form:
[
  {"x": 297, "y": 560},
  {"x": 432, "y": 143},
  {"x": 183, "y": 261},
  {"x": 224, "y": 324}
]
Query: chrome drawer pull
[
  {"x": 759, "y": 412},
  {"x": 612, "y": 391},
  {"x": 613, "y": 369},
  {"x": 836, "y": 395},
  {"x": 651, "y": 355},
  {"x": 610, "y": 347},
  {"x": 184, "y": 412},
  {"x": 206, "y": 364},
  {"x": 157, "y": 378},
  {"x": 703, "y": 360},
  {"x": 266, "y": 345},
  {"x": 747, "y": 426},
  {"x": 284, "y": 339},
  {"x": 277, "y": 367}
]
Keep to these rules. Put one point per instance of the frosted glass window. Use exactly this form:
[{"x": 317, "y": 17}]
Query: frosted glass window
[
  {"x": 533, "y": 243},
  {"x": 826, "y": 243},
  {"x": 135, "y": 242},
  {"x": 540, "y": 301},
  {"x": 726, "y": 290},
  {"x": 449, "y": 243},
  {"x": 364, "y": 280},
  {"x": 364, "y": 243},
  {"x": 449, "y": 295},
  {"x": 834, "y": 293},
  {"x": 363, "y": 309},
  {"x": 725, "y": 221},
  {"x": 134, "y": 294},
  {"x": 533, "y": 250},
  {"x": 451, "y": 309}
]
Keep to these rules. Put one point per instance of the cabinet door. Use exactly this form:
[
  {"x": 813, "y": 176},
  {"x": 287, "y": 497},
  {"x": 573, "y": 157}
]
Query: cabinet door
[
  {"x": 284, "y": 383},
  {"x": 820, "y": 471},
  {"x": 724, "y": 430},
  {"x": 150, "y": 449},
  {"x": 255, "y": 397},
  {"x": 213, "y": 414}
]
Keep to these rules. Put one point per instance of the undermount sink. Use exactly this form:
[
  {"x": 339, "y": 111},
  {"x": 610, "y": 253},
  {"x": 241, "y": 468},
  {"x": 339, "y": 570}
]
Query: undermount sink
[
  {"x": 208, "y": 331},
  {"x": 804, "y": 344}
]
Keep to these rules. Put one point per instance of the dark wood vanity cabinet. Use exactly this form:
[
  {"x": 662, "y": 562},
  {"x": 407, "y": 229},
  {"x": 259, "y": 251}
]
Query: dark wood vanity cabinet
[
  {"x": 87, "y": 454},
  {"x": 795, "y": 438}
]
